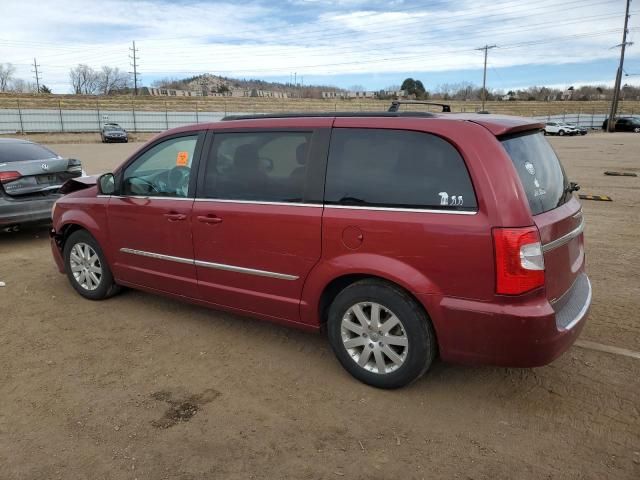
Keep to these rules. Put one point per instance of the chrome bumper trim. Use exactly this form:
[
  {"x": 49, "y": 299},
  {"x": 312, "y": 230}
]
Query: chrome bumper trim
[{"x": 565, "y": 238}]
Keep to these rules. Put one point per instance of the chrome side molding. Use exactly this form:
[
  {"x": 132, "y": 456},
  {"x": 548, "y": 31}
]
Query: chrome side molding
[
  {"x": 217, "y": 266},
  {"x": 250, "y": 271}
]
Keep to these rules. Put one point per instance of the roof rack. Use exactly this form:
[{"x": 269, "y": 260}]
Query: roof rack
[
  {"x": 395, "y": 105},
  {"x": 328, "y": 114}
]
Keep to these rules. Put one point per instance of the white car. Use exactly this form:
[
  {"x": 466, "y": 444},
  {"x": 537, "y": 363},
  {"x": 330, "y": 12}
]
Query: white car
[{"x": 559, "y": 128}]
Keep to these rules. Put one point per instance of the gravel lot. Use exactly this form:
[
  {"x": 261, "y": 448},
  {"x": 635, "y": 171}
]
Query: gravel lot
[{"x": 144, "y": 387}]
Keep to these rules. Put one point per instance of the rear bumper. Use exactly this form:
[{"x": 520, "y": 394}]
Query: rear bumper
[
  {"x": 32, "y": 210},
  {"x": 527, "y": 332}
]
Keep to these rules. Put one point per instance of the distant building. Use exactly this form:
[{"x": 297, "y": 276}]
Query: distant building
[
  {"x": 170, "y": 92},
  {"x": 567, "y": 94},
  {"x": 236, "y": 92},
  {"x": 361, "y": 94}
]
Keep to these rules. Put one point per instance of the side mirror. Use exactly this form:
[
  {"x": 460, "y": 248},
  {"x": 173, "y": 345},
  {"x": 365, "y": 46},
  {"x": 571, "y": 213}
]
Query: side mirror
[{"x": 107, "y": 184}]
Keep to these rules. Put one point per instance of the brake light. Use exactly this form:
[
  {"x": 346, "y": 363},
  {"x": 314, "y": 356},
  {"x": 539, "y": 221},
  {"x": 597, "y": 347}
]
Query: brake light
[
  {"x": 6, "y": 177},
  {"x": 519, "y": 260}
]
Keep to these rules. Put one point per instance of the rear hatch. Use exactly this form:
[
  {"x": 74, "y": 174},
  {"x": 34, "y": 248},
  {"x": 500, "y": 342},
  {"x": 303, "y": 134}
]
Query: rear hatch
[
  {"x": 556, "y": 212},
  {"x": 28, "y": 168}
]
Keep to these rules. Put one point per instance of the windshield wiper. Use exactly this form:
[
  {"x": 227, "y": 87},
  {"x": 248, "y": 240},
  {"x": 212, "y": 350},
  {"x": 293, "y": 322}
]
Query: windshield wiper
[{"x": 572, "y": 187}]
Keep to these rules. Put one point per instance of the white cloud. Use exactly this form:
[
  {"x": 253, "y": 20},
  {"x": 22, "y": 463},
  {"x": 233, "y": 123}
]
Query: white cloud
[{"x": 317, "y": 37}]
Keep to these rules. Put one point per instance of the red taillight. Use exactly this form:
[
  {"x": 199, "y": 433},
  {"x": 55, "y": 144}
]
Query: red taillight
[
  {"x": 519, "y": 260},
  {"x": 6, "y": 177}
]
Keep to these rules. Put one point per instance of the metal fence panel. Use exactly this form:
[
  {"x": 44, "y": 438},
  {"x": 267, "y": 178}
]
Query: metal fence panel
[{"x": 13, "y": 120}]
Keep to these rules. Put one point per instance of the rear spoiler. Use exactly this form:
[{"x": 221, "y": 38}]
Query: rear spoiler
[{"x": 79, "y": 183}]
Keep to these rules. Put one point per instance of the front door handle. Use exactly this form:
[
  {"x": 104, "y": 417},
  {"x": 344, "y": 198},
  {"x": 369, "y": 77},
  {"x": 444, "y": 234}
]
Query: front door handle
[
  {"x": 209, "y": 219},
  {"x": 175, "y": 217}
]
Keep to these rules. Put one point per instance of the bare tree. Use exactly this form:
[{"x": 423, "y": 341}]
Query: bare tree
[
  {"x": 111, "y": 80},
  {"x": 6, "y": 76},
  {"x": 19, "y": 85},
  {"x": 84, "y": 80}
]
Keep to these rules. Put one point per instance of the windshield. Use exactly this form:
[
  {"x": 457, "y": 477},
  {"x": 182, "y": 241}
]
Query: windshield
[
  {"x": 540, "y": 171},
  {"x": 113, "y": 128}
]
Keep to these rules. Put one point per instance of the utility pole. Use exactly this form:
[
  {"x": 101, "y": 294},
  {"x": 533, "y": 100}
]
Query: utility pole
[
  {"x": 134, "y": 58},
  {"x": 611, "y": 123},
  {"x": 37, "y": 75},
  {"x": 486, "y": 48}
]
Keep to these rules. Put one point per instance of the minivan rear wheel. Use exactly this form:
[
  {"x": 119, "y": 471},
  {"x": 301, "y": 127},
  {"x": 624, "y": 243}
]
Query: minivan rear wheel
[
  {"x": 380, "y": 334},
  {"x": 87, "y": 268}
]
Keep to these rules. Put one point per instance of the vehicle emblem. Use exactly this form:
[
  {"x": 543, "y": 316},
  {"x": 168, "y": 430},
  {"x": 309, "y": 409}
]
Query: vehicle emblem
[
  {"x": 44, "y": 167},
  {"x": 530, "y": 168}
]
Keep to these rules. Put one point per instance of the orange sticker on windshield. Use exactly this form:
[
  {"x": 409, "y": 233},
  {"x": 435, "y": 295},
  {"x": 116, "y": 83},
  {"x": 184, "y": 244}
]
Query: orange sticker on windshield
[{"x": 182, "y": 160}]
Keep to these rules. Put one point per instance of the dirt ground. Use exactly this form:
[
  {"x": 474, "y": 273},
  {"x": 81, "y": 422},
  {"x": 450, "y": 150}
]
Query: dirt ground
[{"x": 144, "y": 387}]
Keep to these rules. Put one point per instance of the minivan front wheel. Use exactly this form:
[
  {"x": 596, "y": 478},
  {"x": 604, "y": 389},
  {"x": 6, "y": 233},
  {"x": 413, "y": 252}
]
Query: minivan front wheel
[
  {"x": 380, "y": 334},
  {"x": 86, "y": 267}
]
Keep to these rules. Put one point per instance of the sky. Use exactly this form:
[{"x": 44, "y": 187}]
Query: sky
[{"x": 340, "y": 43}]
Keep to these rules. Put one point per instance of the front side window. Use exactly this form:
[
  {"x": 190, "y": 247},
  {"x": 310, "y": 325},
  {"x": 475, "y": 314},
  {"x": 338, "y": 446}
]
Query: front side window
[
  {"x": 261, "y": 166},
  {"x": 396, "y": 168},
  {"x": 162, "y": 171}
]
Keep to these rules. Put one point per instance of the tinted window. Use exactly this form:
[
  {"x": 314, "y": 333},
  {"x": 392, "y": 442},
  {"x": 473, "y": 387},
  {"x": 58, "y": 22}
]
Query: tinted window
[
  {"x": 263, "y": 166},
  {"x": 540, "y": 171},
  {"x": 20, "y": 151},
  {"x": 163, "y": 170},
  {"x": 396, "y": 168}
]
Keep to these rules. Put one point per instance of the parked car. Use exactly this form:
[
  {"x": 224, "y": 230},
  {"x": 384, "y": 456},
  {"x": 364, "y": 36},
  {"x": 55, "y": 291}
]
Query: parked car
[
  {"x": 30, "y": 177},
  {"x": 624, "y": 124},
  {"x": 112, "y": 132},
  {"x": 560, "y": 128},
  {"x": 406, "y": 236}
]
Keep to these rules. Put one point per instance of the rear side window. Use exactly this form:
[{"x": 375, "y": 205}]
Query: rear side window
[
  {"x": 396, "y": 168},
  {"x": 260, "y": 166},
  {"x": 540, "y": 171},
  {"x": 21, "y": 151}
]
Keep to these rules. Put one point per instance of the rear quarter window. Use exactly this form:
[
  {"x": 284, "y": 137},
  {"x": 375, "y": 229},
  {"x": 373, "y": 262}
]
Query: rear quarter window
[
  {"x": 540, "y": 171},
  {"x": 396, "y": 168},
  {"x": 22, "y": 151}
]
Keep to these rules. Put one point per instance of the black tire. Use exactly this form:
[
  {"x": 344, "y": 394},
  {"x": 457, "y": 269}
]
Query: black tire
[
  {"x": 561, "y": 133},
  {"x": 106, "y": 286},
  {"x": 422, "y": 346}
]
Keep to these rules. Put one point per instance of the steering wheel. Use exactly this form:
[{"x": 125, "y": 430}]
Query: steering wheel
[{"x": 178, "y": 179}]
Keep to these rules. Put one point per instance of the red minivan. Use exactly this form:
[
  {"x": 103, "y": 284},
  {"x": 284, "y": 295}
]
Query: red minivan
[{"x": 405, "y": 235}]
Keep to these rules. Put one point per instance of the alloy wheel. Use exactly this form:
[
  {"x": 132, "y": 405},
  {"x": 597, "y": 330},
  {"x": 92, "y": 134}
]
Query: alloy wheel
[
  {"x": 374, "y": 337},
  {"x": 85, "y": 266}
]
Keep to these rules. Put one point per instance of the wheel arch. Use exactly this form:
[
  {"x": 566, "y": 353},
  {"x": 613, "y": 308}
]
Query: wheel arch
[{"x": 338, "y": 284}]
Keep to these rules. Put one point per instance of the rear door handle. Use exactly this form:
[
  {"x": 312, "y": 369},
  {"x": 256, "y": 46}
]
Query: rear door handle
[
  {"x": 175, "y": 217},
  {"x": 209, "y": 218}
]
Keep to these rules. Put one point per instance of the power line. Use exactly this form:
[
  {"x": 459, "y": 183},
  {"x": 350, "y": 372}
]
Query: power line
[
  {"x": 37, "y": 75},
  {"x": 611, "y": 124},
  {"x": 134, "y": 58}
]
